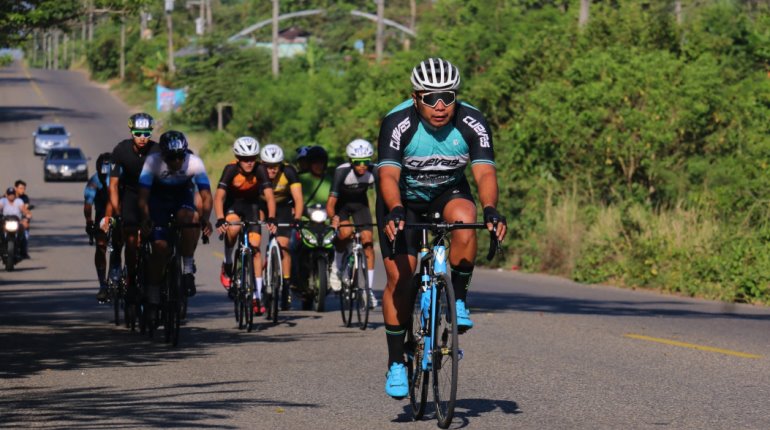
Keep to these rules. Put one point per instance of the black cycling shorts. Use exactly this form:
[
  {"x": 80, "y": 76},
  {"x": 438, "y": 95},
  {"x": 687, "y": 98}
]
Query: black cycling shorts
[
  {"x": 283, "y": 213},
  {"x": 246, "y": 210},
  {"x": 408, "y": 241},
  {"x": 129, "y": 208},
  {"x": 358, "y": 211}
]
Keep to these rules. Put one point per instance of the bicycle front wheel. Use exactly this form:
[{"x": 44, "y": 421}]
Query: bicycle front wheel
[
  {"x": 362, "y": 291},
  {"x": 275, "y": 278},
  {"x": 246, "y": 298},
  {"x": 415, "y": 349},
  {"x": 445, "y": 352},
  {"x": 348, "y": 293}
]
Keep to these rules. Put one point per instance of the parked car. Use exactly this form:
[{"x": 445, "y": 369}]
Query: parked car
[
  {"x": 50, "y": 136},
  {"x": 65, "y": 164}
]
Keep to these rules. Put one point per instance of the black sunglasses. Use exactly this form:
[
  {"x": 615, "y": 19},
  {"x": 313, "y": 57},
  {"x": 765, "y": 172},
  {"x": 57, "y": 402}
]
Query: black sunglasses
[
  {"x": 139, "y": 133},
  {"x": 247, "y": 159},
  {"x": 431, "y": 99},
  {"x": 175, "y": 156}
]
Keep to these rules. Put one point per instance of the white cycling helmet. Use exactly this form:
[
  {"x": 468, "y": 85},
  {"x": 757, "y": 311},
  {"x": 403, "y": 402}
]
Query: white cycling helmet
[
  {"x": 271, "y": 153},
  {"x": 246, "y": 146},
  {"x": 359, "y": 148},
  {"x": 435, "y": 74}
]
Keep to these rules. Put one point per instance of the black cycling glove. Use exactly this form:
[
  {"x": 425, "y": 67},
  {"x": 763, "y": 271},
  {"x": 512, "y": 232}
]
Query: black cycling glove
[
  {"x": 220, "y": 222},
  {"x": 491, "y": 215},
  {"x": 396, "y": 215},
  {"x": 89, "y": 227},
  {"x": 271, "y": 220}
]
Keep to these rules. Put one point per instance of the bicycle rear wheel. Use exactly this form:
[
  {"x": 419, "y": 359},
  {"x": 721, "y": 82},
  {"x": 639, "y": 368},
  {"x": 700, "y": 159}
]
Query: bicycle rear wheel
[
  {"x": 362, "y": 292},
  {"x": 347, "y": 295},
  {"x": 445, "y": 352},
  {"x": 414, "y": 348},
  {"x": 275, "y": 278},
  {"x": 172, "y": 308}
]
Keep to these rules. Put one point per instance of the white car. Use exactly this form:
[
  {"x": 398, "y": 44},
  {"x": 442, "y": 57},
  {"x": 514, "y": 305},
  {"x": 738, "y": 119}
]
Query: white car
[{"x": 50, "y": 136}]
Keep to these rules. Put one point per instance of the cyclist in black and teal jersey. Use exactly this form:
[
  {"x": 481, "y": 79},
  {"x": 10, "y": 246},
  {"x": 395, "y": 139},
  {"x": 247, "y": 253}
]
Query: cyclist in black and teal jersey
[
  {"x": 96, "y": 196},
  {"x": 424, "y": 147}
]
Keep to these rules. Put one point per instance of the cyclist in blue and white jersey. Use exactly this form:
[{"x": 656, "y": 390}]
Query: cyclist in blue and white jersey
[
  {"x": 96, "y": 196},
  {"x": 166, "y": 188},
  {"x": 424, "y": 147}
]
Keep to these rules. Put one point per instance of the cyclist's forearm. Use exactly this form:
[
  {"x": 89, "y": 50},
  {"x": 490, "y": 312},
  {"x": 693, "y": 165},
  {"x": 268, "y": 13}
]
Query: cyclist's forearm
[
  {"x": 270, "y": 199},
  {"x": 114, "y": 197},
  {"x": 388, "y": 184},
  {"x": 486, "y": 179},
  {"x": 296, "y": 195},
  {"x": 331, "y": 203},
  {"x": 206, "y": 201},
  {"x": 219, "y": 203}
]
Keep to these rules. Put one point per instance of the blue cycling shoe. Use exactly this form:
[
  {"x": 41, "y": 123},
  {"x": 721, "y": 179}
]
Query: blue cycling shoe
[
  {"x": 397, "y": 385},
  {"x": 464, "y": 322}
]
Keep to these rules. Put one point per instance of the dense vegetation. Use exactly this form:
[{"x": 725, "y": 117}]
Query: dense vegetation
[{"x": 633, "y": 151}]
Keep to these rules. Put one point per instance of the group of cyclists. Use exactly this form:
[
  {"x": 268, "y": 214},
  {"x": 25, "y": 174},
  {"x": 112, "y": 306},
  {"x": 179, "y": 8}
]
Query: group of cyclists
[{"x": 423, "y": 149}]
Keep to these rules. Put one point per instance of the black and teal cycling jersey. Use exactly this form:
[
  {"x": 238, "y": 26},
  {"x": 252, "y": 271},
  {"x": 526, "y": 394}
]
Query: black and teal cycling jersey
[{"x": 433, "y": 160}]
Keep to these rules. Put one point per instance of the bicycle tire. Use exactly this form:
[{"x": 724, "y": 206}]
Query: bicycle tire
[
  {"x": 445, "y": 352},
  {"x": 10, "y": 259},
  {"x": 172, "y": 309},
  {"x": 321, "y": 284},
  {"x": 414, "y": 348},
  {"x": 275, "y": 277},
  {"x": 347, "y": 294},
  {"x": 249, "y": 285},
  {"x": 362, "y": 292},
  {"x": 235, "y": 282}
]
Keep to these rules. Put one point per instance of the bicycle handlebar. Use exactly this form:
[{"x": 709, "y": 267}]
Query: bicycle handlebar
[{"x": 494, "y": 243}]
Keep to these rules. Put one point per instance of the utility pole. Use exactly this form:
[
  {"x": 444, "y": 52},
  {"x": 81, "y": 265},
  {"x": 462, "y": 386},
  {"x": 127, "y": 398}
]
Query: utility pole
[
  {"x": 678, "y": 11},
  {"x": 585, "y": 7},
  {"x": 380, "y": 29},
  {"x": 65, "y": 63},
  {"x": 56, "y": 49},
  {"x": 122, "y": 46},
  {"x": 209, "y": 17},
  {"x": 34, "y": 47},
  {"x": 90, "y": 21},
  {"x": 275, "y": 38},
  {"x": 170, "y": 31}
]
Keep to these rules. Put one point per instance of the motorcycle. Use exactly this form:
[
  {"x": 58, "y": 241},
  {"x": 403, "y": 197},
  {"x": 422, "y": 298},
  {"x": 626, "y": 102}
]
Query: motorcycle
[
  {"x": 11, "y": 239},
  {"x": 315, "y": 254}
]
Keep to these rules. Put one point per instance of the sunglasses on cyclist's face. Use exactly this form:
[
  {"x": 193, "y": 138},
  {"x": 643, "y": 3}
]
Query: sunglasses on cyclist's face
[
  {"x": 141, "y": 133},
  {"x": 432, "y": 98},
  {"x": 360, "y": 161},
  {"x": 247, "y": 159}
]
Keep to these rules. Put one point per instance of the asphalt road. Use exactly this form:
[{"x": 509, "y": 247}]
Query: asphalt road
[{"x": 545, "y": 353}]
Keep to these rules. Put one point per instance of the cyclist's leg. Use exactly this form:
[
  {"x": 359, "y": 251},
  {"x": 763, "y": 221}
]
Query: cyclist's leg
[
  {"x": 129, "y": 212},
  {"x": 462, "y": 250},
  {"x": 116, "y": 257},
  {"x": 190, "y": 235},
  {"x": 284, "y": 214},
  {"x": 231, "y": 234},
  {"x": 100, "y": 263},
  {"x": 255, "y": 239},
  {"x": 397, "y": 299}
]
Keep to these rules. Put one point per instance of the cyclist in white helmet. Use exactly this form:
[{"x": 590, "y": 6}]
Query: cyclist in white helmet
[
  {"x": 236, "y": 199},
  {"x": 424, "y": 147},
  {"x": 288, "y": 204},
  {"x": 347, "y": 200}
]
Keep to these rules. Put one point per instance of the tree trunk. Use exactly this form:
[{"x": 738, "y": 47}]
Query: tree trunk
[
  {"x": 170, "y": 34},
  {"x": 65, "y": 60},
  {"x": 56, "y": 50},
  {"x": 678, "y": 11},
  {"x": 585, "y": 8},
  {"x": 209, "y": 16},
  {"x": 122, "y": 47}
]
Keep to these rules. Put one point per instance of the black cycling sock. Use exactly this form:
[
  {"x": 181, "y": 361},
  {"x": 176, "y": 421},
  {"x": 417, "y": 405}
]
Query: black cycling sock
[
  {"x": 461, "y": 279},
  {"x": 100, "y": 275},
  {"x": 396, "y": 336}
]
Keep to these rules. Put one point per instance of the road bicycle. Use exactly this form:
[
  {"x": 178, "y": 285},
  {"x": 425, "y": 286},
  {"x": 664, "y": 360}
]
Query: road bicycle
[
  {"x": 432, "y": 346},
  {"x": 116, "y": 279},
  {"x": 356, "y": 291},
  {"x": 172, "y": 309},
  {"x": 273, "y": 275},
  {"x": 245, "y": 296}
]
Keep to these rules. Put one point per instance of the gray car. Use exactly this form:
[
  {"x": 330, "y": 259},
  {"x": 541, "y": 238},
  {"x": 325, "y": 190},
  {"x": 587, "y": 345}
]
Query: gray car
[
  {"x": 65, "y": 164},
  {"x": 50, "y": 136}
]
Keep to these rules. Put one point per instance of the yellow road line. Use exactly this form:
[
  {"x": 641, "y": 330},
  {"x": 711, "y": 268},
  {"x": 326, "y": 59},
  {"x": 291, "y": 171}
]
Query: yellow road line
[
  {"x": 218, "y": 254},
  {"x": 38, "y": 91},
  {"x": 692, "y": 346}
]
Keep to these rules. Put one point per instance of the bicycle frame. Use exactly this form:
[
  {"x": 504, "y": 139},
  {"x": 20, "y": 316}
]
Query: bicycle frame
[{"x": 432, "y": 263}]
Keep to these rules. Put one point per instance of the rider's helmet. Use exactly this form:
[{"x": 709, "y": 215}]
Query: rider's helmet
[
  {"x": 317, "y": 153},
  {"x": 173, "y": 142},
  {"x": 246, "y": 146},
  {"x": 302, "y": 153},
  {"x": 103, "y": 166},
  {"x": 141, "y": 121},
  {"x": 359, "y": 148},
  {"x": 435, "y": 74},
  {"x": 271, "y": 154}
]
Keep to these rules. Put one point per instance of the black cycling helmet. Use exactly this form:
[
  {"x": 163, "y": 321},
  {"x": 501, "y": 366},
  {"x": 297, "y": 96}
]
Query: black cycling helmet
[
  {"x": 141, "y": 121},
  {"x": 103, "y": 165},
  {"x": 317, "y": 153},
  {"x": 301, "y": 152},
  {"x": 173, "y": 142}
]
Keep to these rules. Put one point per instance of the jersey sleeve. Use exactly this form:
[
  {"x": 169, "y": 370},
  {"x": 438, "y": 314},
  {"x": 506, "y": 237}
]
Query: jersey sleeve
[
  {"x": 339, "y": 178},
  {"x": 117, "y": 164},
  {"x": 147, "y": 176},
  {"x": 291, "y": 175},
  {"x": 200, "y": 178},
  {"x": 396, "y": 130},
  {"x": 477, "y": 134},
  {"x": 89, "y": 193},
  {"x": 228, "y": 173},
  {"x": 262, "y": 178}
]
